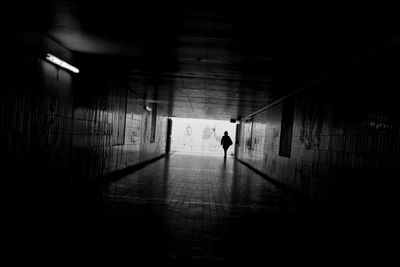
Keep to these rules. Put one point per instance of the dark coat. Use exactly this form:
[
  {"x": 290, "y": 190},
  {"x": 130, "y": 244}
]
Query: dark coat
[{"x": 226, "y": 141}]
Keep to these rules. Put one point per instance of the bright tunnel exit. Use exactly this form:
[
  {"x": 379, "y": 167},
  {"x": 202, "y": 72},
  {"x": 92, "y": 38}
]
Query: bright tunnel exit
[{"x": 198, "y": 136}]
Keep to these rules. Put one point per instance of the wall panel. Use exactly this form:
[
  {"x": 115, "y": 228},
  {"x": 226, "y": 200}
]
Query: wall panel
[{"x": 345, "y": 138}]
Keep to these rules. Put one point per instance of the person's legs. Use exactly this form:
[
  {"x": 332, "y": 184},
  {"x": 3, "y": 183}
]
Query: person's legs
[{"x": 225, "y": 152}]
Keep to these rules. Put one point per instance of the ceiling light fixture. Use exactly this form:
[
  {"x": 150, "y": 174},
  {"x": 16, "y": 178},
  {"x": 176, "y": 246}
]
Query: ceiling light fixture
[{"x": 55, "y": 60}]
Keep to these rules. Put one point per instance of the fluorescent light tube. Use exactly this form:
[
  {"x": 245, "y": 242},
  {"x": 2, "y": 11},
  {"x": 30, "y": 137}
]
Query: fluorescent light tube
[{"x": 61, "y": 63}]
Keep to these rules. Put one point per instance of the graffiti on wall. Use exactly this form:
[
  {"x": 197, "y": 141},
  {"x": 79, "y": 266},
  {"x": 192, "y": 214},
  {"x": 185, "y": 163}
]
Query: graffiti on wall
[
  {"x": 311, "y": 124},
  {"x": 199, "y": 136}
]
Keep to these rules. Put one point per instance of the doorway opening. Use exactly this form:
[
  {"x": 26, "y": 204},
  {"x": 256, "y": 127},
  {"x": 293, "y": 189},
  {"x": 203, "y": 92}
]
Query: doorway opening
[{"x": 198, "y": 136}]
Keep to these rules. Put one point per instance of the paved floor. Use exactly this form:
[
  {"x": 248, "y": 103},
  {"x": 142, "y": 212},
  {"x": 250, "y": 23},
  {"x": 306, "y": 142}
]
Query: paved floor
[{"x": 190, "y": 209}]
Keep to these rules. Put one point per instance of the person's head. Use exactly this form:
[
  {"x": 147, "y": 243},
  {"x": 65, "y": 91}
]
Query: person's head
[{"x": 225, "y": 133}]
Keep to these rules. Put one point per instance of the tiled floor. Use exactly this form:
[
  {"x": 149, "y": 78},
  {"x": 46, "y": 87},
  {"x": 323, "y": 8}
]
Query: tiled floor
[{"x": 194, "y": 208}]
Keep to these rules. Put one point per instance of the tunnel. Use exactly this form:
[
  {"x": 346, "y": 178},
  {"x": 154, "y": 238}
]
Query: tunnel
[{"x": 92, "y": 92}]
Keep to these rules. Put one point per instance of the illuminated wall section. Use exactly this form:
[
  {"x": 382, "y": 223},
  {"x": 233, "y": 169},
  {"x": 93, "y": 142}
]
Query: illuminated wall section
[
  {"x": 59, "y": 127},
  {"x": 200, "y": 136}
]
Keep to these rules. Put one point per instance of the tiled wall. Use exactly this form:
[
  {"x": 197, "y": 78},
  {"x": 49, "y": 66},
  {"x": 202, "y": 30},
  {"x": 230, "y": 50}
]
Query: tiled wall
[
  {"x": 345, "y": 139},
  {"x": 58, "y": 127},
  {"x": 111, "y": 128},
  {"x": 36, "y": 110}
]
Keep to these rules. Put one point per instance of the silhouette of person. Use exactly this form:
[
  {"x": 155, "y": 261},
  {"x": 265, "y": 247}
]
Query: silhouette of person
[{"x": 226, "y": 142}]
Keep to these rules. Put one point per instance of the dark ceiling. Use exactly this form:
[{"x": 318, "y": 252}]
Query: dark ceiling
[{"x": 213, "y": 61}]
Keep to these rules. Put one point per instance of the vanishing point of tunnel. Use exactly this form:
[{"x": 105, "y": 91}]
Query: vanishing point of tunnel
[{"x": 112, "y": 132}]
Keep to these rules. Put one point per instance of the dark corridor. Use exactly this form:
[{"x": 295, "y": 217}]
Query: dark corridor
[{"x": 88, "y": 91}]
